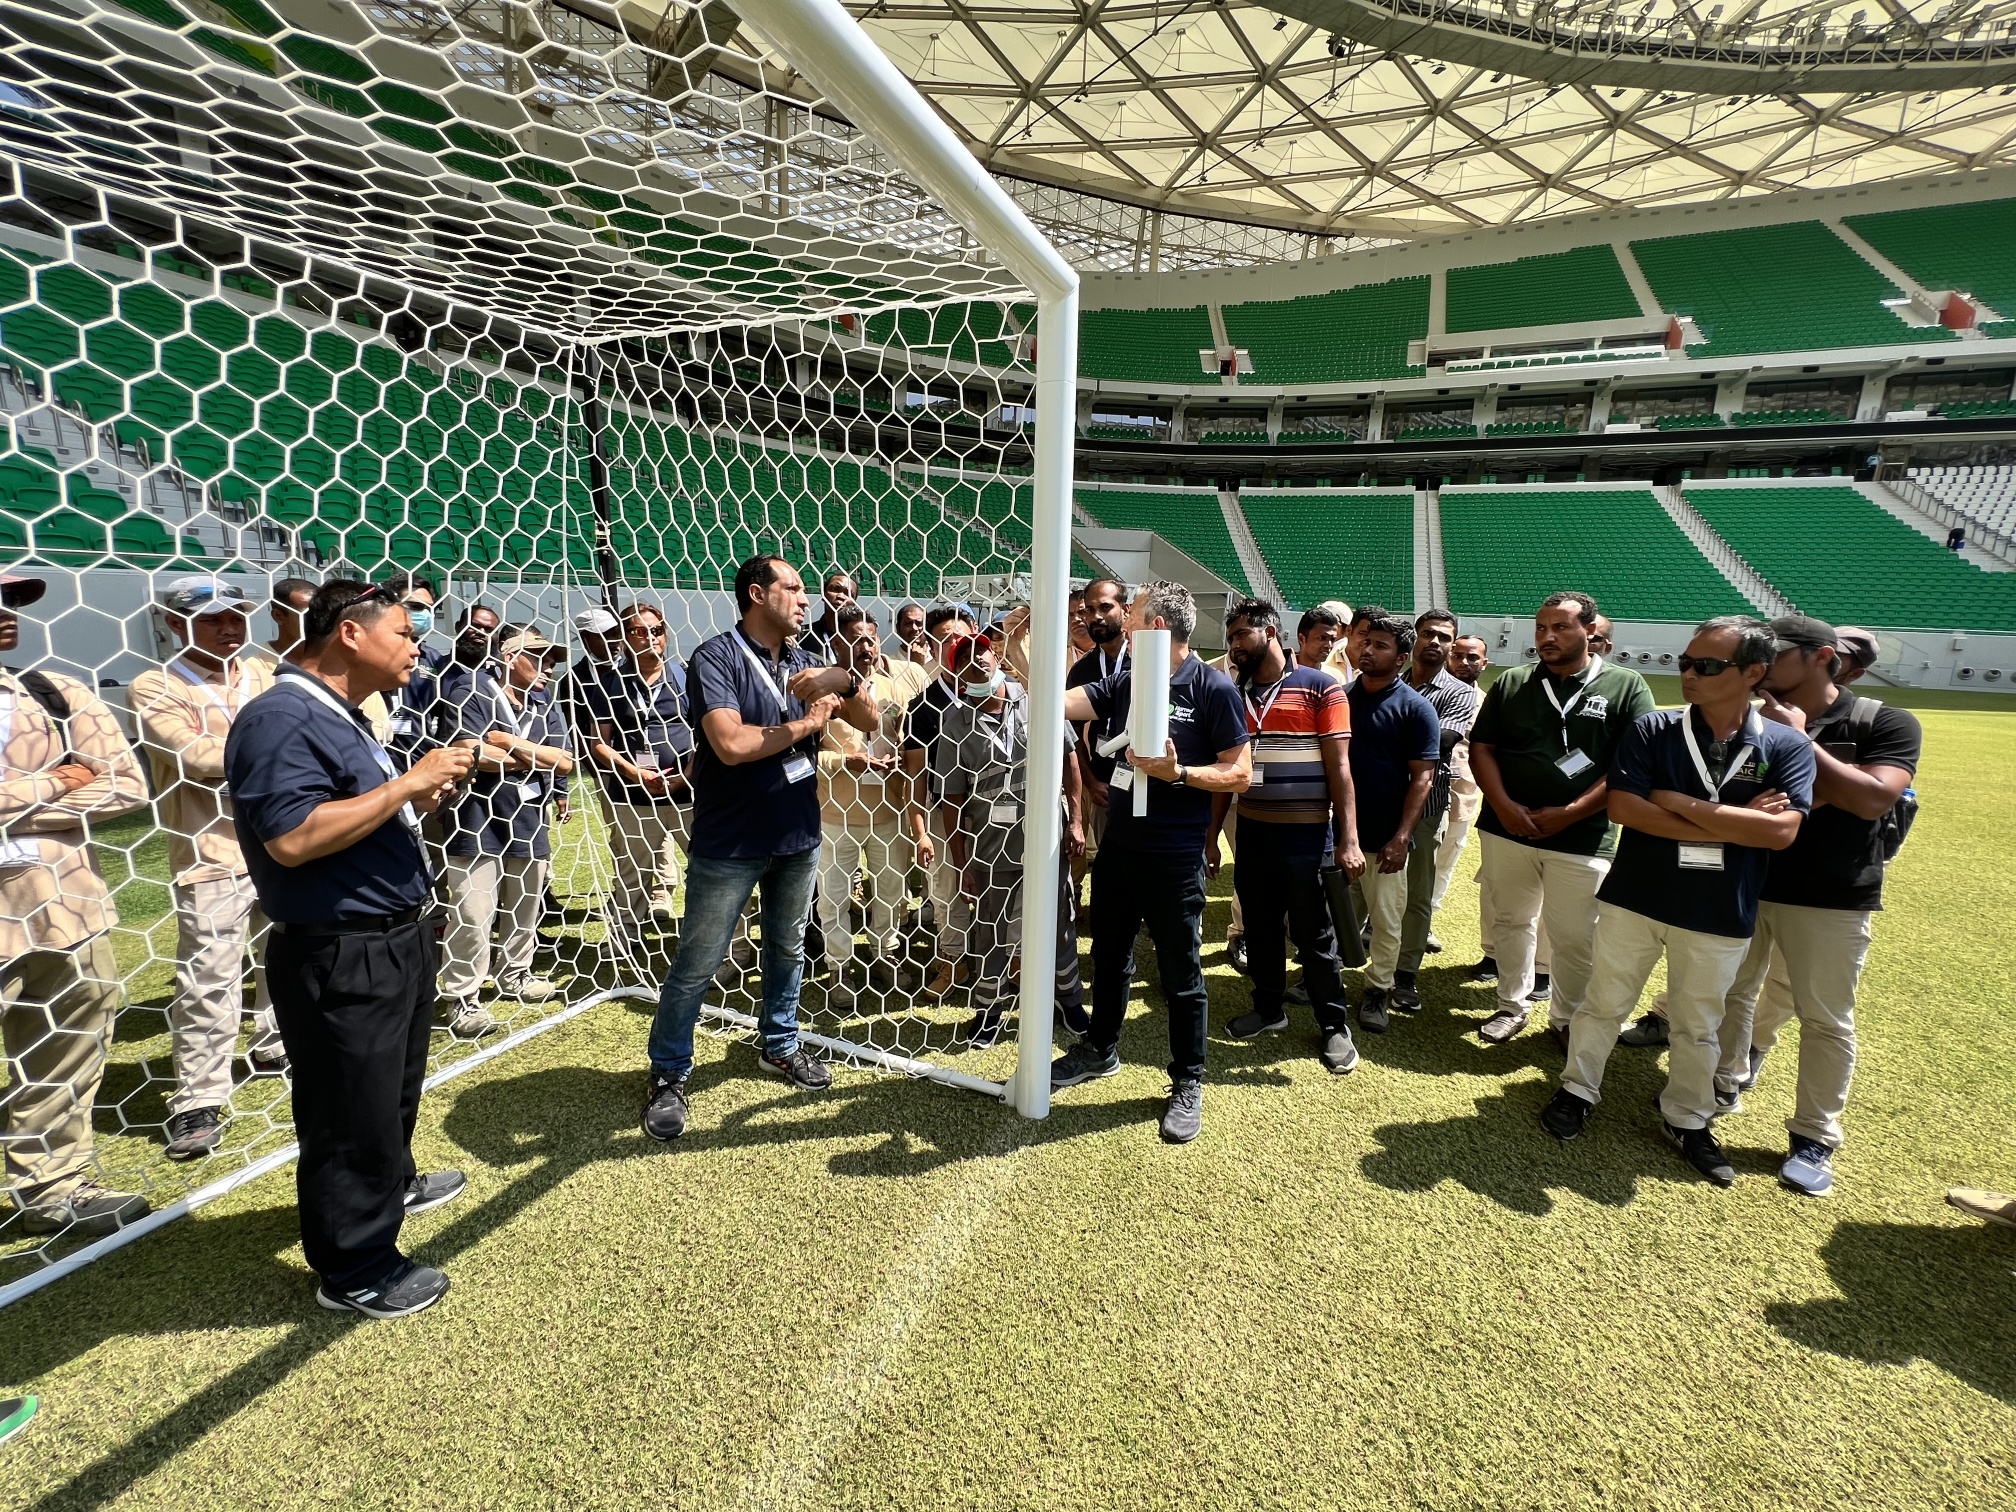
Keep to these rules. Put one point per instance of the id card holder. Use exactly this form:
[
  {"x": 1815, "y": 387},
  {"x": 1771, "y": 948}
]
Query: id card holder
[
  {"x": 797, "y": 768},
  {"x": 1700, "y": 857},
  {"x": 1574, "y": 763},
  {"x": 530, "y": 790},
  {"x": 645, "y": 761},
  {"x": 1259, "y": 772},
  {"x": 1004, "y": 811},
  {"x": 1123, "y": 779}
]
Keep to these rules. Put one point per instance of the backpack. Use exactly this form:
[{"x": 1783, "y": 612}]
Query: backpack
[
  {"x": 55, "y": 705},
  {"x": 1895, "y": 825}
]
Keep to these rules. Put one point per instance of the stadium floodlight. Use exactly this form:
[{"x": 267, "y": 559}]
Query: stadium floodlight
[{"x": 557, "y": 308}]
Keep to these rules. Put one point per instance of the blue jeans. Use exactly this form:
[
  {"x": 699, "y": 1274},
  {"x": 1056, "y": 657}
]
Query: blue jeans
[{"x": 716, "y": 893}]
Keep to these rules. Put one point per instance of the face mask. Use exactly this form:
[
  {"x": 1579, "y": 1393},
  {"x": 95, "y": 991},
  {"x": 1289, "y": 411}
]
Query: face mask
[
  {"x": 423, "y": 620},
  {"x": 981, "y": 691}
]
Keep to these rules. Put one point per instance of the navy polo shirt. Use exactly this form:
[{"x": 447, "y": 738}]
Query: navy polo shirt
[
  {"x": 1389, "y": 730},
  {"x": 754, "y": 809},
  {"x": 649, "y": 718},
  {"x": 503, "y": 813},
  {"x": 1206, "y": 716},
  {"x": 1647, "y": 876},
  {"x": 289, "y": 753}
]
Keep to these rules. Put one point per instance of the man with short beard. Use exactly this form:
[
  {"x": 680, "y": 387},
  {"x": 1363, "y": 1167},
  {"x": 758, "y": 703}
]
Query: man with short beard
[
  {"x": 944, "y": 624},
  {"x": 1455, "y": 704},
  {"x": 1105, "y": 614}
]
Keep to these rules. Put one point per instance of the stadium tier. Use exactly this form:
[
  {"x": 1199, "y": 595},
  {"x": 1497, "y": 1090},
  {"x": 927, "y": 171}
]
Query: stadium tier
[
  {"x": 1144, "y": 346},
  {"x": 1346, "y": 544},
  {"x": 975, "y": 333},
  {"x": 1985, "y": 495},
  {"x": 1554, "y": 288},
  {"x": 1841, "y": 557},
  {"x": 1964, "y": 247},
  {"x": 1191, "y": 521},
  {"x": 1778, "y": 288},
  {"x": 1351, "y": 335},
  {"x": 1506, "y": 549}
]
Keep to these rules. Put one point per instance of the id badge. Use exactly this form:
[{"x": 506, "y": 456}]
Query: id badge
[
  {"x": 1700, "y": 857},
  {"x": 1004, "y": 811},
  {"x": 1574, "y": 764},
  {"x": 1123, "y": 779},
  {"x": 531, "y": 791},
  {"x": 645, "y": 761},
  {"x": 1259, "y": 772},
  {"x": 797, "y": 769}
]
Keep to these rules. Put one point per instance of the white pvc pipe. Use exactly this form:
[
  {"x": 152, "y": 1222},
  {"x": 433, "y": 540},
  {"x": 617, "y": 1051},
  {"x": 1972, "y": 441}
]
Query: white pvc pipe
[
  {"x": 828, "y": 47},
  {"x": 1148, "y": 705}
]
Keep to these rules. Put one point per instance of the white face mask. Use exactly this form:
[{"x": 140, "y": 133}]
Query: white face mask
[{"x": 979, "y": 692}]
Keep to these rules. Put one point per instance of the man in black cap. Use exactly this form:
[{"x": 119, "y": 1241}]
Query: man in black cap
[{"x": 1819, "y": 893}]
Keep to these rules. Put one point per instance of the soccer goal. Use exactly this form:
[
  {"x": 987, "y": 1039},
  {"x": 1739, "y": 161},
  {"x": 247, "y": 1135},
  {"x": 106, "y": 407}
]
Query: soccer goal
[{"x": 553, "y": 308}]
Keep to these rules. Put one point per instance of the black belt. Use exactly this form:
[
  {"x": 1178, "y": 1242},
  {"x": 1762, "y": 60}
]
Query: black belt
[{"x": 366, "y": 924}]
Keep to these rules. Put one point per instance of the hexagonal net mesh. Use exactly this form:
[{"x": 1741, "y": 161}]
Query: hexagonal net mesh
[{"x": 538, "y": 315}]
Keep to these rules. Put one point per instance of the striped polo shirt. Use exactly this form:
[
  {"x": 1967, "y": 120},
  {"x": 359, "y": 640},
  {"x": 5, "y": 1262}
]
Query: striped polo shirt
[{"x": 1288, "y": 806}]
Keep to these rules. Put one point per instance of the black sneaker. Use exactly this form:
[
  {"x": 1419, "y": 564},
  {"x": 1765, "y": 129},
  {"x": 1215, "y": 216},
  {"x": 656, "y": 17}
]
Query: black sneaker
[
  {"x": 16, "y": 1413},
  {"x": 1083, "y": 1062},
  {"x": 1501, "y": 1027},
  {"x": 1566, "y": 1115},
  {"x": 1235, "y": 952},
  {"x": 1339, "y": 1053},
  {"x": 1485, "y": 970},
  {"x": 1250, "y": 1025},
  {"x": 1650, "y": 1031},
  {"x": 433, "y": 1189},
  {"x": 1404, "y": 998},
  {"x": 88, "y": 1209},
  {"x": 1727, "y": 1103},
  {"x": 409, "y": 1289},
  {"x": 1372, "y": 1011},
  {"x": 194, "y": 1133},
  {"x": 665, "y": 1108},
  {"x": 1543, "y": 988},
  {"x": 1076, "y": 1019},
  {"x": 982, "y": 1031},
  {"x": 801, "y": 1069},
  {"x": 1702, "y": 1153},
  {"x": 1183, "y": 1119}
]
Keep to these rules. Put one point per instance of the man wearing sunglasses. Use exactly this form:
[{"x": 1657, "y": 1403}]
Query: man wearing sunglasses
[{"x": 1704, "y": 794}]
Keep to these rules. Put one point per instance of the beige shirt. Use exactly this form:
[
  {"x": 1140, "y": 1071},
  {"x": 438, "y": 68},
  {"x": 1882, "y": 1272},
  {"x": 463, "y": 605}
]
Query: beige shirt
[
  {"x": 862, "y": 801},
  {"x": 51, "y": 894},
  {"x": 182, "y": 730}
]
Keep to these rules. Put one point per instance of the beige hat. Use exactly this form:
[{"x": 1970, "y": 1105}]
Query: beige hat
[{"x": 526, "y": 642}]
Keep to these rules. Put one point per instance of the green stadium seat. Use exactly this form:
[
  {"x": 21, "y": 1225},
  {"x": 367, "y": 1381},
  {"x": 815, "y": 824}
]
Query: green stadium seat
[
  {"x": 1963, "y": 247},
  {"x": 1191, "y": 521},
  {"x": 1144, "y": 346},
  {"x": 1351, "y": 544},
  {"x": 1554, "y": 288},
  {"x": 1350, "y": 335}
]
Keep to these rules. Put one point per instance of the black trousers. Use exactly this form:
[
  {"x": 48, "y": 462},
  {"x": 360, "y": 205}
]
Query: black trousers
[
  {"x": 1271, "y": 887},
  {"x": 1167, "y": 894},
  {"x": 354, "y": 1011}
]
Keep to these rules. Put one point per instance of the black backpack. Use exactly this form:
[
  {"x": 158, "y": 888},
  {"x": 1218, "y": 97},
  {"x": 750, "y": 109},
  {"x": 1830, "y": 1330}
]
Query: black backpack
[
  {"x": 55, "y": 705},
  {"x": 1895, "y": 825}
]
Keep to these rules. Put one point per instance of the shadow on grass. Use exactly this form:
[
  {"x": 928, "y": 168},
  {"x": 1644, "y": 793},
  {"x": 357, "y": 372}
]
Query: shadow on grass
[{"x": 1942, "y": 1293}]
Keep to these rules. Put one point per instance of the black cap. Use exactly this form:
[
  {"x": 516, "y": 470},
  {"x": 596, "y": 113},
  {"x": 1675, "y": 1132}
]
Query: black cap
[
  {"x": 1802, "y": 631},
  {"x": 18, "y": 591}
]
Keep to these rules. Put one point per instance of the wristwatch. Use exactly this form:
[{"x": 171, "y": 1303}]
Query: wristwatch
[
  {"x": 853, "y": 685},
  {"x": 1182, "y": 776}
]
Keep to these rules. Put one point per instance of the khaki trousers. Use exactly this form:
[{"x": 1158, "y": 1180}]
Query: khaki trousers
[
  {"x": 1448, "y": 851},
  {"x": 950, "y": 909},
  {"x": 1531, "y": 887},
  {"x": 1386, "y": 909},
  {"x": 1820, "y": 951},
  {"x": 481, "y": 891},
  {"x": 1700, "y": 969},
  {"x": 1543, "y": 950},
  {"x": 881, "y": 854},
  {"x": 56, "y": 1009},
  {"x": 646, "y": 842},
  {"x": 218, "y": 923}
]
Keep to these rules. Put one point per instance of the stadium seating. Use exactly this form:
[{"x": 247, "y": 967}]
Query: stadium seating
[
  {"x": 1744, "y": 419},
  {"x": 1350, "y": 335},
  {"x": 1144, "y": 346},
  {"x": 1708, "y": 420},
  {"x": 1126, "y": 432},
  {"x": 1347, "y": 544},
  {"x": 1232, "y": 438},
  {"x": 1774, "y": 289},
  {"x": 1953, "y": 247},
  {"x": 1554, "y": 288},
  {"x": 961, "y": 332},
  {"x": 1841, "y": 557},
  {"x": 1985, "y": 495},
  {"x": 1190, "y": 520},
  {"x": 1973, "y": 409},
  {"x": 1316, "y": 438},
  {"x": 1506, "y": 549},
  {"x": 1527, "y": 428},
  {"x": 1437, "y": 433}
]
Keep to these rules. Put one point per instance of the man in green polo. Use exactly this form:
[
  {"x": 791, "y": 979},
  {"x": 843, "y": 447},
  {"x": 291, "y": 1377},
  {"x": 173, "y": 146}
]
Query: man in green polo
[{"x": 1540, "y": 752}]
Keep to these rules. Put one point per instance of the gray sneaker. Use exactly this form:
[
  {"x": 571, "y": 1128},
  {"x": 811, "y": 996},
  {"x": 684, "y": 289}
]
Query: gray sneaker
[
  {"x": 1183, "y": 1119},
  {"x": 1082, "y": 1063},
  {"x": 1250, "y": 1025},
  {"x": 528, "y": 989},
  {"x": 1339, "y": 1053},
  {"x": 1649, "y": 1031},
  {"x": 88, "y": 1209},
  {"x": 466, "y": 1021}
]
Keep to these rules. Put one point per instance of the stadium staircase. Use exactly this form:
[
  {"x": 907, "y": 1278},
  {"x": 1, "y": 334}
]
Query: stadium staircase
[
  {"x": 1431, "y": 575},
  {"x": 1250, "y": 556},
  {"x": 1723, "y": 557},
  {"x": 1189, "y": 519},
  {"x": 1964, "y": 247}
]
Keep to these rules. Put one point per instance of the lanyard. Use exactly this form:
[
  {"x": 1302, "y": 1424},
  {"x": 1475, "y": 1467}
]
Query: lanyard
[
  {"x": 763, "y": 672},
  {"x": 315, "y": 688},
  {"x": 522, "y": 720},
  {"x": 209, "y": 690},
  {"x": 1713, "y": 788},
  {"x": 1259, "y": 714},
  {"x": 1581, "y": 692},
  {"x": 1107, "y": 669}
]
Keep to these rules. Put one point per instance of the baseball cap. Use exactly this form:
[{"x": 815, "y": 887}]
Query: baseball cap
[
  {"x": 1858, "y": 645},
  {"x": 595, "y": 621},
  {"x": 1804, "y": 632},
  {"x": 961, "y": 649},
  {"x": 18, "y": 590},
  {"x": 204, "y": 594},
  {"x": 523, "y": 642}
]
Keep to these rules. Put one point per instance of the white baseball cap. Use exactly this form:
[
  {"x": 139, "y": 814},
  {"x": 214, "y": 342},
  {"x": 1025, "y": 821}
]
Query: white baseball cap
[{"x": 596, "y": 621}]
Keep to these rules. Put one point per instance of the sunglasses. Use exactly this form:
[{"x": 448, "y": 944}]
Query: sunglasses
[
  {"x": 1707, "y": 666},
  {"x": 381, "y": 594}
]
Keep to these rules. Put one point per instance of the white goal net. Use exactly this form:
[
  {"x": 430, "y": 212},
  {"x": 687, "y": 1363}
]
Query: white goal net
[{"x": 534, "y": 310}]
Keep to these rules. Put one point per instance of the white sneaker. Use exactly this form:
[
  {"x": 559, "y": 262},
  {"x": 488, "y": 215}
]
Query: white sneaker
[
  {"x": 528, "y": 989},
  {"x": 467, "y": 1021}
]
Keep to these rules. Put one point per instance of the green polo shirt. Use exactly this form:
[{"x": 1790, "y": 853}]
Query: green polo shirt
[{"x": 1526, "y": 734}]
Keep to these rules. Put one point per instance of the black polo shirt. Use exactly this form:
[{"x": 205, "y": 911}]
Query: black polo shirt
[
  {"x": 1529, "y": 737},
  {"x": 1206, "y": 716},
  {"x": 759, "y": 808},
  {"x": 1837, "y": 861},
  {"x": 649, "y": 720},
  {"x": 288, "y": 753},
  {"x": 502, "y": 813},
  {"x": 920, "y": 732},
  {"x": 1094, "y": 666},
  {"x": 1647, "y": 876}
]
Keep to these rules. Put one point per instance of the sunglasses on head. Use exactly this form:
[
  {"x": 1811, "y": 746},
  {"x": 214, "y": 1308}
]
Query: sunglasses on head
[
  {"x": 380, "y": 594},
  {"x": 1707, "y": 666}
]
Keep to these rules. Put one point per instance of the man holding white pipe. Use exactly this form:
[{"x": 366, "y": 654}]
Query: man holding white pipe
[{"x": 1151, "y": 867}]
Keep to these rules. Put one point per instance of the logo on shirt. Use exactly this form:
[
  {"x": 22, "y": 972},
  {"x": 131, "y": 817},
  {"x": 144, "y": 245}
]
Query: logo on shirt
[
  {"x": 1178, "y": 714},
  {"x": 1596, "y": 706}
]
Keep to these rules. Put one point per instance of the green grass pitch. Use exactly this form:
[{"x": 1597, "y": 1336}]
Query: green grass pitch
[{"x": 1380, "y": 1291}]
